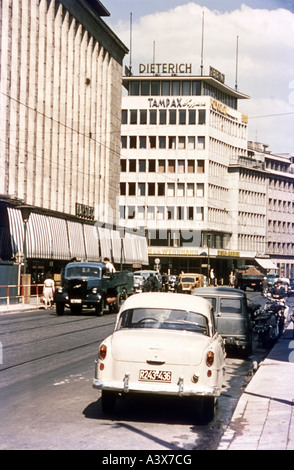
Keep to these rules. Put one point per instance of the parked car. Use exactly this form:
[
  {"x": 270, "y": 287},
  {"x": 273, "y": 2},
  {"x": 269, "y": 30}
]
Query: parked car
[
  {"x": 138, "y": 284},
  {"x": 232, "y": 315},
  {"x": 162, "y": 344},
  {"x": 271, "y": 279}
]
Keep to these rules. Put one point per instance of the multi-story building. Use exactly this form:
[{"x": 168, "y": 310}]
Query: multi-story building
[
  {"x": 187, "y": 178},
  {"x": 180, "y": 136},
  {"x": 60, "y": 84},
  {"x": 279, "y": 242}
]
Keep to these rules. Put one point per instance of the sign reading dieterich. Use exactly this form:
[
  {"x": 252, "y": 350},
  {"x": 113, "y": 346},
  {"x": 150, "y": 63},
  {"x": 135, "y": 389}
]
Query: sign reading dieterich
[{"x": 165, "y": 68}]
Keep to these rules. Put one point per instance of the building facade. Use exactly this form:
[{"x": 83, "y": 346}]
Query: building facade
[
  {"x": 188, "y": 180},
  {"x": 61, "y": 72}
]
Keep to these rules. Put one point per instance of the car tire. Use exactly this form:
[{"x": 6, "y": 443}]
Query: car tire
[
  {"x": 207, "y": 409},
  {"x": 108, "y": 400},
  {"x": 99, "y": 308},
  {"x": 59, "y": 308}
]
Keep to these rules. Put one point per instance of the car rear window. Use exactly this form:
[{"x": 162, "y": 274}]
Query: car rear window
[
  {"x": 158, "y": 318},
  {"x": 230, "y": 305}
]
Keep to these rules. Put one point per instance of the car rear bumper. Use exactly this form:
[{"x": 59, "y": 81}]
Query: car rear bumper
[{"x": 180, "y": 389}]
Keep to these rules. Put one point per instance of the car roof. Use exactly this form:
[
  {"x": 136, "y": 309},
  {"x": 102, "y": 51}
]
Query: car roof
[
  {"x": 85, "y": 264},
  {"x": 218, "y": 291},
  {"x": 167, "y": 300}
]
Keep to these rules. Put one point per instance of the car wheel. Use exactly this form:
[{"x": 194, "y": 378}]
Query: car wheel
[
  {"x": 99, "y": 308},
  {"x": 108, "y": 400},
  {"x": 207, "y": 409},
  {"x": 59, "y": 308}
]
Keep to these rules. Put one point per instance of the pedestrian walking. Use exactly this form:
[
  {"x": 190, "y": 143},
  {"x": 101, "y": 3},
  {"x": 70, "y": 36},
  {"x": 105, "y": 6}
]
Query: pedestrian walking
[
  {"x": 212, "y": 277},
  {"x": 48, "y": 291}
]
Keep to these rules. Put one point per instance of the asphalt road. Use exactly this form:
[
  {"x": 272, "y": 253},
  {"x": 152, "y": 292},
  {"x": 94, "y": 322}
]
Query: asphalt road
[{"x": 47, "y": 400}]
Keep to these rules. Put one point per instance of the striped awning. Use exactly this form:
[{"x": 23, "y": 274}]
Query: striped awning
[{"x": 56, "y": 238}]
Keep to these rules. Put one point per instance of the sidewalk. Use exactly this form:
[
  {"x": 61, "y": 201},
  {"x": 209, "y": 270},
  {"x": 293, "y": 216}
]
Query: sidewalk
[
  {"x": 264, "y": 416},
  {"x": 21, "y": 307}
]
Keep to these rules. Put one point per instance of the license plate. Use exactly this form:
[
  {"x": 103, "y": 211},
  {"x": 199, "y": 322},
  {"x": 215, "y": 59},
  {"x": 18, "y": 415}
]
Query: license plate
[
  {"x": 155, "y": 375},
  {"x": 75, "y": 301}
]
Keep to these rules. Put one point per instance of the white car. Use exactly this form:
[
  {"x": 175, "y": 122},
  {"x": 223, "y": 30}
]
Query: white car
[{"x": 162, "y": 344}]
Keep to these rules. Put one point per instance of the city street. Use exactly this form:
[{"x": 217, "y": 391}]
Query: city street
[{"x": 47, "y": 400}]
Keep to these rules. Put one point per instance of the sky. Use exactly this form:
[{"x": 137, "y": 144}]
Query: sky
[{"x": 172, "y": 29}]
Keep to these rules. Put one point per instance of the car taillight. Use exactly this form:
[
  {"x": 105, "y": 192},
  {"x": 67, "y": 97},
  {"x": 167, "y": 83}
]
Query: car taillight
[
  {"x": 102, "y": 351},
  {"x": 210, "y": 358}
]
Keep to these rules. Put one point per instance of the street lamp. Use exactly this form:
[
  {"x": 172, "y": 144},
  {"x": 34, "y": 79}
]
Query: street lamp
[{"x": 25, "y": 213}]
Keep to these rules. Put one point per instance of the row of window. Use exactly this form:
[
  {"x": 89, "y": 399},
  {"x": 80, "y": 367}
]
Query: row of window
[
  {"x": 163, "y": 142},
  {"x": 163, "y": 116},
  {"x": 161, "y": 213},
  {"x": 153, "y": 165},
  {"x": 162, "y": 189},
  {"x": 179, "y": 88}
]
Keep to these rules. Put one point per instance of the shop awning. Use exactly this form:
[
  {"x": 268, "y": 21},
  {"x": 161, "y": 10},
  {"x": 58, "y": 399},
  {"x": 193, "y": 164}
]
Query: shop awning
[
  {"x": 266, "y": 263},
  {"x": 92, "y": 243}
]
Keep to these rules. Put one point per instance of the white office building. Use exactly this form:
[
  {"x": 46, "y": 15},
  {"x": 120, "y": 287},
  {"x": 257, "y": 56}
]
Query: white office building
[{"x": 181, "y": 137}]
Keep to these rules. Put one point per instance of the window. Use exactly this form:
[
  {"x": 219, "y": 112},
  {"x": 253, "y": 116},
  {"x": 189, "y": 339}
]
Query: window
[
  {"x": 171, "y": 142},
  {"x": 162, "y": 142},
  {"x": 152, "y": 141},
  {"x": 145, "y": 88},
  {"x": 141, "y": 189},
  {"x": 122, "y": 212},
  {"x": 151, "y": 164},
  {"x": 123, "y": 142},
  {"x": 134, "y": 88},
  {"x": 182, "y": 116},
  {"x": 161, "y": 189},
  {"x": 192, "y": 116},
  {"x": 200, "y": 190},
  {"x": 165, "y": 88},
  {"x": 122, "y": 189},
  {"x": 190, "y": 213},
  {"x": 199, "y": 213},
  {"x": 143, "y": 116},
  {"x": 191, "y": 142},
  {"x": 201, "y": 143},
  {"x": 131, "y": 212},
  {"x": 200, "y": 166},
  {"x": 181, "y": 190},
  {"x": 161, "y": 166},
  {"x": 170, "y": 211},
  {"x": 162, "y": 116},
  {"x": 181, "y": 166},
  {"x": 171, "y": 166},
  {"x": 196, "y": 88},
  {"x": 171, "y": 189},
  {"x": 186, "y": 88},
  {"x": 132, "y": 189},
  {"x": 190, "y": 190},
  {"x": 132, "y": 166},
  {"x": 151, "y": 189},
  {"x": 123, "y": 165},
  {"x": 201, "y": 116},
  {"x": 141, "y": 212},
  {"x": 155, "y": 87},
  {"x": 180, "y": 213},
  {"x": 172, "y": 116},
  {"x": 191, "y": 166},
  {"x": 124, "y": 116},
  {"x": 152, "y": 116},
  {"x": 175, "y": 88},
  {"x": 142, "y": 142},
  {"x": 133, "y": 142},
  {"x": 142, "y": 166},
  {"x": 182, "y": 143},
  {"x": 134, "y": 115}
]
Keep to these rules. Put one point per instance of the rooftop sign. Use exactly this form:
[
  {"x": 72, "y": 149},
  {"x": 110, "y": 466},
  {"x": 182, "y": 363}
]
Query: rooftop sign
[{"x": 165, "y": 68}]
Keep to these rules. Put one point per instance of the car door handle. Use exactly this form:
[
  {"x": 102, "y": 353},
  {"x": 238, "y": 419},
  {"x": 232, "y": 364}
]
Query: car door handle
[{"x": 155, "y": 363}]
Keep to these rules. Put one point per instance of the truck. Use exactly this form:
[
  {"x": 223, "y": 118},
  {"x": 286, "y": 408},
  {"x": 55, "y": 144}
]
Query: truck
[
  {"x": 86, "y": 284},
  {"x": 248, "y": 276},
  {"x": 189, "y": 281}
]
